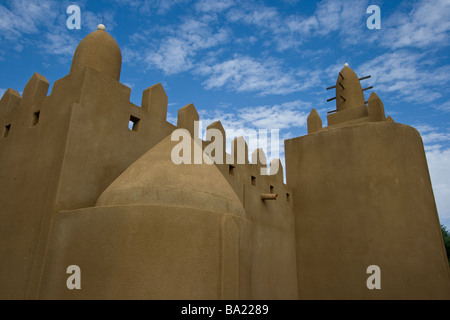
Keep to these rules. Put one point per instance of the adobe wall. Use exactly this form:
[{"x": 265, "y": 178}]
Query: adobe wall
[
  {"x": 30, "y": 163},
  {"x": 80, "y": 144},
  {"x": 273, "y": 270},
  {"x": 363, "y": 197},
  {"x": 100, "y": 146},
  {"x": 146, "y": 252},
  {"x": 272, "y": 231},
  {"x": 273, "y": 254}
]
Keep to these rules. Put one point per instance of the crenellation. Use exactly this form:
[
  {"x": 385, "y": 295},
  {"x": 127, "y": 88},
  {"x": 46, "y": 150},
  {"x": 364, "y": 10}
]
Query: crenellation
[
  {"x": 390, "y": 119},
  {"x": 259, "y": 161},
  {"x": 155, "y": 101},
  {"x": 314, "y": 122},
  {"x": 239, "y": 151},
  {"x": 216, "y": 131},
  {"x": 251, "y": 180},
  {"x": 255, "y": 174},
  {"x": 9, "y": 102},
  {"x": 187, "y": 116},
  {"x": 276, "y": 169},
  {"x": 376, "y": 108},
  {"x": 35, "y": 91}
]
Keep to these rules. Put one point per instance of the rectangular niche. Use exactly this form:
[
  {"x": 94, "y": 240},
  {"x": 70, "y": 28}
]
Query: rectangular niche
[
  {"x": 6, "y": 131},
  {"x": 36, "y": 117},
  {"x": 133, "y": 125}
]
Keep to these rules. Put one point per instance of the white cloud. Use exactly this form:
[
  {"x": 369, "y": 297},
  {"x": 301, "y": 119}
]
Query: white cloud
[
  {"x": 255, "y": 15},
  {"x": 249, "y": 121},
  {"x": 407, "y": 75},
  {"x": 213, "y": 5},
  {"x": 425, "y": 25},
  {"x": 443, "y": 106},
  {"x": 60, "y": 43},
  {"x": 343, "y": 16},
  {"x": 26, "y": 17},
  {"x": 159, "y": 7},
  {"x": 246, "y": 74},
  {"x": 178, "y": 51},
  {"x": 284, "y": 116},
  {"x": 171, "y": 57},
  {"x": 431, "y": 136},
  {"x": 437, "y": 150},
  {"x": 200, "y": 35},
  {"x": 42, "y": 24},
  {"x": 439, "y": 166},
  {"x": 163, "y": 6},
  {"x": 302, "y": 25}
]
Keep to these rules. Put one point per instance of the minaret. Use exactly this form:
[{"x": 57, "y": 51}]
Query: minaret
[
  {"x": 350, "y": 101},
  {"x": 349, "y": 92},
  {"x": 363, "y": 197}
]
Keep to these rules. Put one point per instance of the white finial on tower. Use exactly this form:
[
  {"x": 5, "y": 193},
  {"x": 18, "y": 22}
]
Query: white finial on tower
[
  {"x": 346, "y": 64},
  {"x": 101, "y": 27}
]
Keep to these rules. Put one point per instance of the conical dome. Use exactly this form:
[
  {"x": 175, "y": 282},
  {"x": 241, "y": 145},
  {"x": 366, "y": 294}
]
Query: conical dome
[
  {"x": 99, "y": 51},
  {"x": 155, "y": 180},
  {"x": 348, "y": 90}
]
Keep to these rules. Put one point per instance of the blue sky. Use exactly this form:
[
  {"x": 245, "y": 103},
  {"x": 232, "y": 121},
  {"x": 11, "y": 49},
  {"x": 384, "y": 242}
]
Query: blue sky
[{"x": 255, "y": 64}]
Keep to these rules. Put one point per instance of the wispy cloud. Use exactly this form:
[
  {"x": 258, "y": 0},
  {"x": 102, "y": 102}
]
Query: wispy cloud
[
  {"x": 439, "y": 167},
  {"x": 445, "y": 107},
  {"x": 432, "y": 136},
  {"x": 288, "y": 115},
  {"x": 42, "y": 24},
  {"x": 180, "y": 47},
  {"x": 407, "y": 75},
  {"x": 173, "y": 56},
  {"x": 249, "y": 122},
  {"x": 247, "y": 74},
  {"x": 437, "y": 147},
  {"x": 26, "y": 17},
  {"x": 213, "y": 5},
  {"x": 59, "y": 44},
  {"x": 423, "y": 26},
  {"x": 345, "y": 17},
  {"x": 261, "y": 16},
  {"x": 159, "y": 7}
]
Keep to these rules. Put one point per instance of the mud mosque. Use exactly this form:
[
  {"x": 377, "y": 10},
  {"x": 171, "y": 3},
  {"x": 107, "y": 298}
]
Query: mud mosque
[{"x": 78, "y": 187}]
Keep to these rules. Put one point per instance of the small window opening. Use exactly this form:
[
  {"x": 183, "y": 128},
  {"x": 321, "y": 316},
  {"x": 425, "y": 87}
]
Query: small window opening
[
  {"x": 6, "y": 131},
  {"x": 288, "y": 197},
  {"x": 231, "y": 170},
  {"x": 36, "y": 116},
  {"x": 253, "y": 181},
  {"x": 134, "y": 123},
  {"x": 272, "y": 189}
]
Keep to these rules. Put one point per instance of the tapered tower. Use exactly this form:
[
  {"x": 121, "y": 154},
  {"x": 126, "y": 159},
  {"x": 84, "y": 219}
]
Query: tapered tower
[{"x": 364, "y": 197}]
